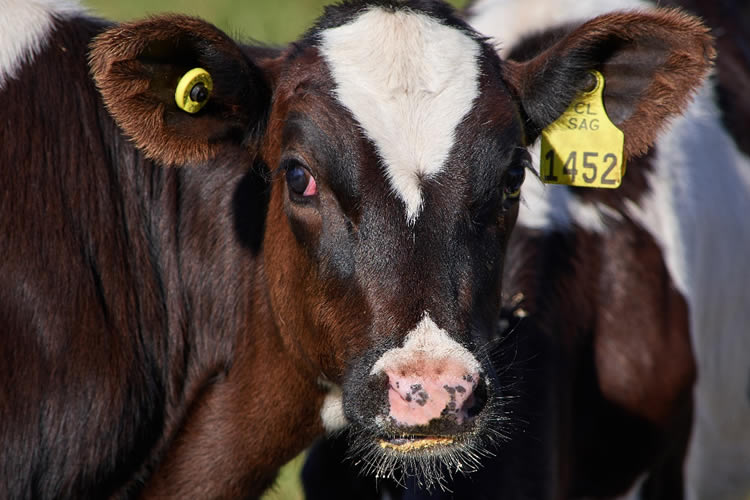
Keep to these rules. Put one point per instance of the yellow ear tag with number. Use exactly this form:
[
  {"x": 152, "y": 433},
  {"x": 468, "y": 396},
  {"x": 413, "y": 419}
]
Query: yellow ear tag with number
[
  {"x": 583, "y": 147},
  {"x": 193, "y": 90}
]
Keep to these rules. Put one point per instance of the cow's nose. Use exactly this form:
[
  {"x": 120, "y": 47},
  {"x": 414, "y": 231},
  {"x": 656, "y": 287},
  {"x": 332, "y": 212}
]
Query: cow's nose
[{"x": 442, "y": 390}]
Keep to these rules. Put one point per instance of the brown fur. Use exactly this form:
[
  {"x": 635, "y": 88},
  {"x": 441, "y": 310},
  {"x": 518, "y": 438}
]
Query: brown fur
[
  {"x": 137, "y": 337},
  {"x": 625, "y": 372},
  {"x": 137, "y": 66},
  {"x": 730, "y": 25},
  {"x": 307, "y": 289},
  {"x": 238, "y": 432}
]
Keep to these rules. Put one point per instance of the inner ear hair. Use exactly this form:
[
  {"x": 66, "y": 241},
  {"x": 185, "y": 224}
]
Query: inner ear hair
[{"x": 652, "y": 61}]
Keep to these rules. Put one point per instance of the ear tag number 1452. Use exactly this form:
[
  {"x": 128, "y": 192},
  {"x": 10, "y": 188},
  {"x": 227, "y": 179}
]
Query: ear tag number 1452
[{"x": 583, "y": 147}]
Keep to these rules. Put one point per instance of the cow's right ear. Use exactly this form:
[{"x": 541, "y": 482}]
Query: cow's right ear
[{"x": 137, "y": 67}]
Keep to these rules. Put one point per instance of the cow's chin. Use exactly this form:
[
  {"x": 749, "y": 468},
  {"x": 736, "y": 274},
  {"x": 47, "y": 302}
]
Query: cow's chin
[{"x": 431, "y": 459}]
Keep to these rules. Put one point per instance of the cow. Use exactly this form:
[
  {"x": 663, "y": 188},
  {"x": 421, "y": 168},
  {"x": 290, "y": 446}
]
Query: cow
[
  {"x": 666, "y": 304},
  {"x": 625, "y": 309},
  {"x": 213, "y": 252}
]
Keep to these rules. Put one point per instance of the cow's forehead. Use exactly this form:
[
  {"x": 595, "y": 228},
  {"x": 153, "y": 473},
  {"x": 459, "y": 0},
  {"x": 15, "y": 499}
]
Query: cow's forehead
[{"x": 409, "y": 80}]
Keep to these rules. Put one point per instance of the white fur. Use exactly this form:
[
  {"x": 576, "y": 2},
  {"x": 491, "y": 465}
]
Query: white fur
[
  {"x": 698, "y": 210},
  {"x": 508, "y": 21},
  {"x": 634, "y": 493},
  {"x": 430, "y": 340},
  {"x": 24, "y": 28},
  {"x": 552, "y": 207},
  {"x": 409, "y": 81},
  {"x": 332, "y": 411}
]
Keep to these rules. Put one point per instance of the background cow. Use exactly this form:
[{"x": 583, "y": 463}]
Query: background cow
[
  {"x": 602, "y": 288},
  {"x": 681, "y": 224},
  {"x": 187, "y": 299}
]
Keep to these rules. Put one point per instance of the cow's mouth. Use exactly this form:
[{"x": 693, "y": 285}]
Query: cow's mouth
[
  {"x": 412, "y": 444},
  {"x": 431, "y": 458},
  {"x": 430, "y": 454}
]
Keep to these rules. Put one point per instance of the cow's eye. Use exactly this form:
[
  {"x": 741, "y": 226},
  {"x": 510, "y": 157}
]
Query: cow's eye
[
  {"x": 513, "y": 181},
  {"x": 514, "y": 178},
  {"x": 298, "y": 180}
]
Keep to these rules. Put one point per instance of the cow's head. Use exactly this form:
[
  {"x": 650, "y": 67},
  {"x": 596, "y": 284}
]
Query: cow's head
[{"x": 395, "y": 141}]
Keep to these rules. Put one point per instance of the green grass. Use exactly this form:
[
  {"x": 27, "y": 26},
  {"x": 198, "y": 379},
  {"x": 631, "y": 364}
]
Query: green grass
[
  {"x": 288, "y": 486},
  {"x": 270, "y": 21}
]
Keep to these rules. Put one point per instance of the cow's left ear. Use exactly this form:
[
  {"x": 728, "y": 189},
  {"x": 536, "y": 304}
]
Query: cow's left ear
[
  {"x": 652, "y": 62},
  {"x": 137, "y": 67}
]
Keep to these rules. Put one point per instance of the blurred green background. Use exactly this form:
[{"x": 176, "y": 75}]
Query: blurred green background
[{"x": 269, "y": 21}]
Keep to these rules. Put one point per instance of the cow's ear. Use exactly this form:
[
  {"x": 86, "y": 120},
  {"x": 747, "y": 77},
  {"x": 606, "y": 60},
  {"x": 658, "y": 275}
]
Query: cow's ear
[
  {"x": 652, "y": 62},
  {"x": 137, "y": 67}
]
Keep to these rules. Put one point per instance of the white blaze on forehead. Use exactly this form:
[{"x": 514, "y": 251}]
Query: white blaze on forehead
[
  {"x": 429, "y": 341},
  {"x": 24, "y": 28},
  {"x": 409, "y": 81}
]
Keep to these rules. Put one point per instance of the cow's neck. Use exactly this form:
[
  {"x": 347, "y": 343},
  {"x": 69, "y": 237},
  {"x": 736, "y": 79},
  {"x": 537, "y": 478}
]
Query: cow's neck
[{"x": 264, "y": 398}]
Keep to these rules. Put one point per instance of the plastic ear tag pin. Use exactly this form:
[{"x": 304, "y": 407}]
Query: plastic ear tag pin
[
  {"x": 193, "y": 90},
  {"x": 583, "y": 147}
]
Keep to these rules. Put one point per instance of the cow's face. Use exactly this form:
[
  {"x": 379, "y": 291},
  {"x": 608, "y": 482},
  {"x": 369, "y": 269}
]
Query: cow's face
[
  {"x": 398, "y": 168},
  {"x": 395, "y": 143}
]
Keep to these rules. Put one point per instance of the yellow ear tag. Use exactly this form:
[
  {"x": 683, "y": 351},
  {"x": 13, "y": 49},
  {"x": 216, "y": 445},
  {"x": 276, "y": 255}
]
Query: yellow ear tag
[
  {"x": 583, "y": 147},
  {"x": 193, "y": 90}
]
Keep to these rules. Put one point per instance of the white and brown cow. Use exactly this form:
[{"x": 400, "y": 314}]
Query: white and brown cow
[
  {"x": 604, "y": 290},
  {"x": 188, "y": 299},
  {"x": 666, "y": 294}
]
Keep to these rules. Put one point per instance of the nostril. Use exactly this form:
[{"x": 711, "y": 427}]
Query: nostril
[{"x": 478, "y": 399}]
